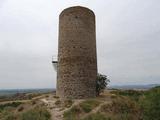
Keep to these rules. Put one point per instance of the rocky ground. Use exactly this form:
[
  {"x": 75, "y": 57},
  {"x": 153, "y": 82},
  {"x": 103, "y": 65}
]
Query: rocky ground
[{"x": 57, "y": 108}]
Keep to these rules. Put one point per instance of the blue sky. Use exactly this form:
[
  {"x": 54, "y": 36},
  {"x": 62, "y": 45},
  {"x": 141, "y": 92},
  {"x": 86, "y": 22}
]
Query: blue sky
[{"x": 128, "y": 39}]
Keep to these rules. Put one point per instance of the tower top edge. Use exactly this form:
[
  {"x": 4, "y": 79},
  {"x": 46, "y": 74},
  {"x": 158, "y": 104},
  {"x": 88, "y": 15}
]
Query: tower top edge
[{"x": 76, "y": 9}]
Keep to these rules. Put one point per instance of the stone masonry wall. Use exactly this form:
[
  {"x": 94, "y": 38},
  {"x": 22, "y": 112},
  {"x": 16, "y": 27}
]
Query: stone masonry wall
[{"x": 77, "y": 60}]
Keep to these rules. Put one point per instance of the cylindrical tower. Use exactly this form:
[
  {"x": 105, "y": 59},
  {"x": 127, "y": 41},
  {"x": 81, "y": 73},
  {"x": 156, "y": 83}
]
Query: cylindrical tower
[{"x": 77, "y": 59}]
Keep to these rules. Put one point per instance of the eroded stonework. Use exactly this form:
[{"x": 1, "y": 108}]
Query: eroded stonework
[{"x": 77, "y": 59}]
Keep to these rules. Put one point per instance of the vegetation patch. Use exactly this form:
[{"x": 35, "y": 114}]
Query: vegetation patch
[
  {"x": 96, "y": 116},
  {"x": 133, "y": 94},
  {"x": 122, "y": 108},
  {"x": 89, "y": 105},
  {"x": 150, "y": 104},
  {"x": 76, "y": 112},
  {"x": 72, "y": 114},
  {"x": 38, "y": 113},
  {"x": 13, "y": 104},
  {"x": 10, "y": 117}
]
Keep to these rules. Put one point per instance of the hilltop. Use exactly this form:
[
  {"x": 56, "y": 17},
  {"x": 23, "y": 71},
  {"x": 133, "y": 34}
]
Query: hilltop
[{"x": 110, "y": 105}]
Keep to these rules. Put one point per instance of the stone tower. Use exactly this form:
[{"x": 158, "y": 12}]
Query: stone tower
[{"x": 77, "y": 59}]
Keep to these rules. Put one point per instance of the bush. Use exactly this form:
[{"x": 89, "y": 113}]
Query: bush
[{"x": 101, "y": 83}]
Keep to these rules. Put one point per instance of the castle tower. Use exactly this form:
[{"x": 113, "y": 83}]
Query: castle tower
[{"x": 77, "y": 59}]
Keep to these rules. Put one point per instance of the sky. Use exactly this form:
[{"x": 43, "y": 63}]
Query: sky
[{"x": 127, "y": 34}]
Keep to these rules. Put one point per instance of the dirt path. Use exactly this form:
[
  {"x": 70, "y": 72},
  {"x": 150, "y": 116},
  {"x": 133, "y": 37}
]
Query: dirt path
[
  {"x": 57, "y": 111},
  {"x": 95, "y": 110}
]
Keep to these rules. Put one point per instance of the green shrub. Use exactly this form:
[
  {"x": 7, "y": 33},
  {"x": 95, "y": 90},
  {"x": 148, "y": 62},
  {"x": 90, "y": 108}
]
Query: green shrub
[
  {"x": 89, "y": 105},
  {"x": 101, "y": 83}
]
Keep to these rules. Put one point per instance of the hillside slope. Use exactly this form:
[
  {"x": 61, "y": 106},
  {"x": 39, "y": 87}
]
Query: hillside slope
[{"x": 110, "y": 105}]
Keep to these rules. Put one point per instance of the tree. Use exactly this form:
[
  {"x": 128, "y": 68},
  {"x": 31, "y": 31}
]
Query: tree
[{"x": 101, "y": 83}]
